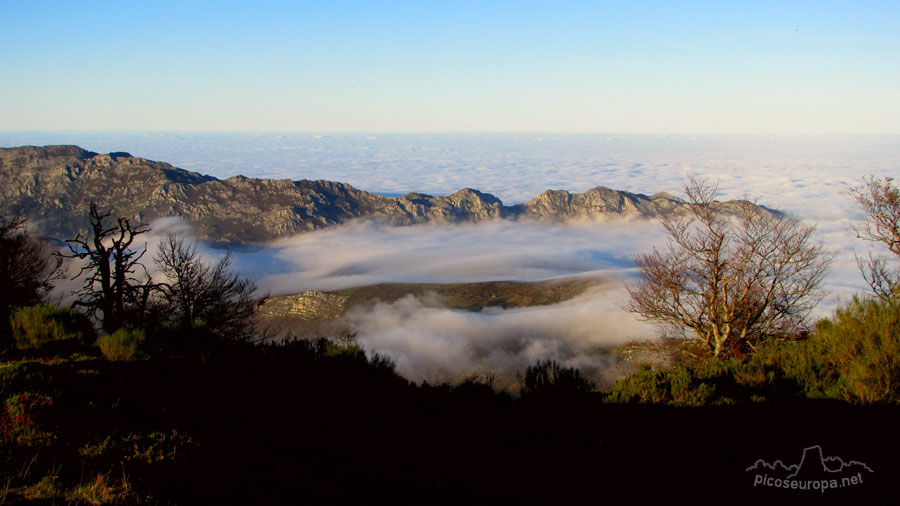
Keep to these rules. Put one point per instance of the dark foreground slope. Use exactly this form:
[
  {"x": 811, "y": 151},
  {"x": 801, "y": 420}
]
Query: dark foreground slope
[
  {"x": 308, "y": 423},
  {"x": 54, "y": 185}
]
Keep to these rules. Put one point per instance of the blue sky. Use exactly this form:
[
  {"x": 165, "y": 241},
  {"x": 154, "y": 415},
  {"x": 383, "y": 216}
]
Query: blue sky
[{"x": 654, "y": 67}]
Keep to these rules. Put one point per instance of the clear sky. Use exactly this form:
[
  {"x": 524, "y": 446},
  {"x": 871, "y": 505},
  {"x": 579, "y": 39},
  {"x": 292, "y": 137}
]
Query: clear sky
[{"x": 430, "y": 66}]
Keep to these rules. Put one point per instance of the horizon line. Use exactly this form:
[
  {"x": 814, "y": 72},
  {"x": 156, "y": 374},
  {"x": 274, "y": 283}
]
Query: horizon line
[{"x": 460, "y": 132}]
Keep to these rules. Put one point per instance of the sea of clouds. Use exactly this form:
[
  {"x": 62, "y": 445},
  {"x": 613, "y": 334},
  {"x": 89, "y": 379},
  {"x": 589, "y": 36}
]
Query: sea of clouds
[{"x": 805, "y": 176}]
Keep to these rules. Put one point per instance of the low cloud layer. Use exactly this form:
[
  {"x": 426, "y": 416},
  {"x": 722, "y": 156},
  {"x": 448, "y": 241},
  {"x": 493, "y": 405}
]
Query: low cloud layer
[
  {"x": 430, "y": 342},
  {"x": 806, "y": 176},
  {"x": 365, "y": 252}
]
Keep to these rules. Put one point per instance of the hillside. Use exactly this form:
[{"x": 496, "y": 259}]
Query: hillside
[
  {"x": 317, "y": 422},
  {"x": 317, "y": 313},
  {"x": 54, "y": 185}
]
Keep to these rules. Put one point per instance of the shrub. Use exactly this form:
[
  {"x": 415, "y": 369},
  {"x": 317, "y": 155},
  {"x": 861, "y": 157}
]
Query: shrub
[
  {"x": 550, "y": 378},
  {"x": 122, "y": 345},
  {"x": 382, "y": 362},
  {"x": 681, "y": 385},
  {"x": 853, "y": 356},
  {"x": 347, "y": 348},
  {"x": 805, "y": 362},
  {"x": 34, "y": 326},
  {"x": 862, "y": 343},
  {"x": 714, "y": 383}
]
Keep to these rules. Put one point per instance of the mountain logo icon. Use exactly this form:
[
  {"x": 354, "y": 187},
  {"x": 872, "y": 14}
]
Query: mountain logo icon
[{"x": 814, "y": 471}]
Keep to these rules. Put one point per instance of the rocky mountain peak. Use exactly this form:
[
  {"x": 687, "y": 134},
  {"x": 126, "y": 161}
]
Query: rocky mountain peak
[{"x": 53, "y": 186}]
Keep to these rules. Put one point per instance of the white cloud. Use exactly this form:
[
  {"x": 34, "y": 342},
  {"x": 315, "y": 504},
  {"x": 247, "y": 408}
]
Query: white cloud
[
  {"x": 430, "y": 342},
  {"x": 807, "y": 176},
  {"x": 365, "y": 252}
]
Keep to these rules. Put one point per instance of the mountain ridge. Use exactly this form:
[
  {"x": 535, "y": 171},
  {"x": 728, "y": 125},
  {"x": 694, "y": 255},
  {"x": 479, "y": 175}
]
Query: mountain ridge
[{"x": 53, "y": 186}]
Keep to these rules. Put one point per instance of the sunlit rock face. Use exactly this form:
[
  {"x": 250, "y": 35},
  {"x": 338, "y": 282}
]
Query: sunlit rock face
[{"x": 54, "y": 186}]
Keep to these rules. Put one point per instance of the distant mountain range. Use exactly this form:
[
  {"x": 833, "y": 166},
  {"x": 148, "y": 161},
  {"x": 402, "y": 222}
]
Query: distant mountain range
[{"x": 53, "y": 186}]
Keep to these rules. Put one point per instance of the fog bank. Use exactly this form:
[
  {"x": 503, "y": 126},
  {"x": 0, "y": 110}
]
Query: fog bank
[{"x": 430, "y": 342}]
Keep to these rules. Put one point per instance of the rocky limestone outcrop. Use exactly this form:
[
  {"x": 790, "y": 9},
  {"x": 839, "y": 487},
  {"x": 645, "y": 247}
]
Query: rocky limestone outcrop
[
  {"x": 53, "y": 186},
  {"x": 309, "y": 305}
]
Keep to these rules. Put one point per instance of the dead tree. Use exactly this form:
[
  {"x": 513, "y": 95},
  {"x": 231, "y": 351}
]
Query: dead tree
[
  {"x": 730, "y": 280},
  {"x": 111, "y": 285}
]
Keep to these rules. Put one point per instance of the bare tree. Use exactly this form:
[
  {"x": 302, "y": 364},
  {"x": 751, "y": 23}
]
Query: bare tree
[
  {"x": 730, "y": 280},
  {"x": 879, "y": 200},
  {"x": 207, "y": 296},
  {"x": 111, "y": 285},
  {"x": 26, "y": 267}
]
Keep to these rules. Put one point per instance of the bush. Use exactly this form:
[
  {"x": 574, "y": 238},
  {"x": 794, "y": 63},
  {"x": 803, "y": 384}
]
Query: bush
[
  {"x": 806, "y": 362},
  {"x": 346, "y": 348},
  {"x": 854, "y": 357},
  {"x": 681, "y": 385},
  {"x": 122, "y": 345},
  {"x": 551, "y": 379},
  {"x": 714, "y": 383},
  {"x": 862, "y": 343},
  {"x": 34, "y": 326}
]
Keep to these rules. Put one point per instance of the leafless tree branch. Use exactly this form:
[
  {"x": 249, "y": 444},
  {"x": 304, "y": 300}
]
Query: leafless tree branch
[
  {"x": 879, "y": 199},
  {"x": 111, "y": 285},
  {"x": 731, "y": 281}
]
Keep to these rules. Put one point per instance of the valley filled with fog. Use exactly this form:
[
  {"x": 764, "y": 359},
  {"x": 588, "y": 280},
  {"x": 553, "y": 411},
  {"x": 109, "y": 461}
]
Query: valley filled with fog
[{"x": 805, "y": 176}]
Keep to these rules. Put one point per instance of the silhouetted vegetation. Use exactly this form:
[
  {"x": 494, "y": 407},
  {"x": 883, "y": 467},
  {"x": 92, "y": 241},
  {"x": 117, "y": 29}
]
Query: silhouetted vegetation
[
  {"x": 110, "y": 268},
  {"x": 191, "y": 310},
  {"x": 26, "y": 268},
  {"x": 211, "y": 297},
  {"x": 325, "y": 421},
  {"x": 550, "y": 380}
]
